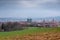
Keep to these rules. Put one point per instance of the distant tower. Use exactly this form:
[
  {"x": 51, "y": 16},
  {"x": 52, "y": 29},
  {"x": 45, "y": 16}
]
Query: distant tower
[
  {"x": 29, "y": 20},
  {"x": 54, "y": 24},
  {"x": 53, "y": 20},
  {"x": 43, "y": 22}
]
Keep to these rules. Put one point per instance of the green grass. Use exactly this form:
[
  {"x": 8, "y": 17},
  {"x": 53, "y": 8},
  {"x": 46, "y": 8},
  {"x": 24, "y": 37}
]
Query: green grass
[{"x": 29, "y": 30}]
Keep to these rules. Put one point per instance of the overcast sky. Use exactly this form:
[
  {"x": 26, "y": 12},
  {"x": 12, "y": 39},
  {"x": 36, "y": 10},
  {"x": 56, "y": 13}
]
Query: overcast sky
[{"x": 29, "y": 8}]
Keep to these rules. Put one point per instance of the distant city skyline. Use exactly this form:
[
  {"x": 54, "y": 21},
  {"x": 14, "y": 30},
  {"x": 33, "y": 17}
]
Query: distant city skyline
[{"x": 29, "y": 8}]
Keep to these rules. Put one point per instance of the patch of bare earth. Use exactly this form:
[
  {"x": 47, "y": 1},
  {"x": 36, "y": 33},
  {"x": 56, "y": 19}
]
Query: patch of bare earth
[{"x": 34, "y": 36}]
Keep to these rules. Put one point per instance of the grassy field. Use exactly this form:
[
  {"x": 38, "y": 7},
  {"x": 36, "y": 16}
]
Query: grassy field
[{"x": 29, "y": 31}]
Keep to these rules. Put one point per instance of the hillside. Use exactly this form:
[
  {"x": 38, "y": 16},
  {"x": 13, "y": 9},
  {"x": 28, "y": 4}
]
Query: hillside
[{"x": 32, "y": 33}]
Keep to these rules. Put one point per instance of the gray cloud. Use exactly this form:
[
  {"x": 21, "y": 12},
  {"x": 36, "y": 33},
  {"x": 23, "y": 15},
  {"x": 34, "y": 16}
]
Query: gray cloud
[
  {"x": 36, "y": 3},
  {"x": 30, "y": 3},
  {"x": 29, "y": 7}
]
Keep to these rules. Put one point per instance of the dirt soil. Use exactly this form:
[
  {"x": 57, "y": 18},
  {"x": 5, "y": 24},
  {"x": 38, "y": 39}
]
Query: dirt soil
[{"x": 34, "y": 36}]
